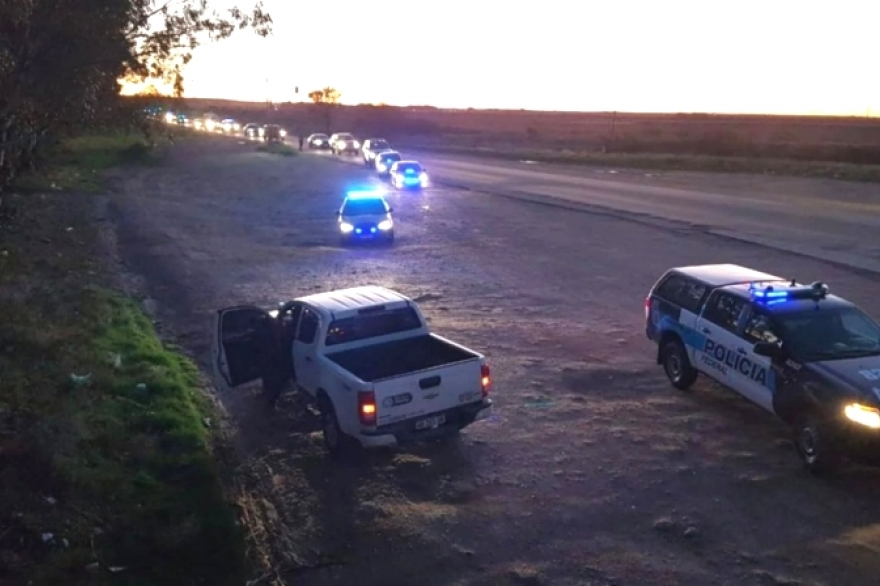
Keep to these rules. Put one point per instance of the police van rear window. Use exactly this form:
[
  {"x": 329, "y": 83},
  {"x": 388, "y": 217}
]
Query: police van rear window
[{"x": 682, "y": 291}]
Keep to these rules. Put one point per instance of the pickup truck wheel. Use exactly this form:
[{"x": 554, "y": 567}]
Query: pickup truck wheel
[
  {"x": 337, "y": 443},
  {"x": 815, "y": 448},
  {"x": 676, "y": 365}
]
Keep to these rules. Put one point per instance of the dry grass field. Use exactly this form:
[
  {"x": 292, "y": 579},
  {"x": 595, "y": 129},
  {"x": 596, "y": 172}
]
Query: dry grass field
[{"x": 796, "y": 144}]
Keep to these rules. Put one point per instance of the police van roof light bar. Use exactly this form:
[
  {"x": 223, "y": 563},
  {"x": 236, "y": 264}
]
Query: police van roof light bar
[{"x": 816, "y": 290}]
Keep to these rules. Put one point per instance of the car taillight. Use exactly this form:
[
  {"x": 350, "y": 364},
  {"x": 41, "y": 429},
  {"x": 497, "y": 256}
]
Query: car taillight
[
  {"x": 485, "y": 379},
  {"x": 367, "y": 407},
  {"x": 647, "y": 307}
]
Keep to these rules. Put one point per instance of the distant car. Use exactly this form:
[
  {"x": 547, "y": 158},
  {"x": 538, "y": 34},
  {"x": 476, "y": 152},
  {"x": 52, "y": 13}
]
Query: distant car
[
  {"x": 229, "y": 126},
  {"x": 183, "y": 120},
  {"x": 273, "y": 133},
  {"x": 365, "y": 216},
  {"x": 373, "y": 146},
  {"x": 385, "y": 160},
  {"x": 251, "y": 130},
  {"x": 344, "y": 142},
  {"x": 318, "y": 141},
  {"x": 408, "y": 175}
]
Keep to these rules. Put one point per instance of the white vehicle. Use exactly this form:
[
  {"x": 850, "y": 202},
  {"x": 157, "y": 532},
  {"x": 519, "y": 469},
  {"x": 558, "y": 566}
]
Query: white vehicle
[
  {"x": 344, "y": 142},
  {"x": 366, "y": 358},
  {"x": 371, "y": 147}
]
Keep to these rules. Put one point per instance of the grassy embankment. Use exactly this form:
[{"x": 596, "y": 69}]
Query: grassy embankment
[{"x": 107, "y": 466}]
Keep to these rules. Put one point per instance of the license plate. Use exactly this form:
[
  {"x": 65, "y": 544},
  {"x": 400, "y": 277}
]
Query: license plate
[{"x": 431, "y": 422}]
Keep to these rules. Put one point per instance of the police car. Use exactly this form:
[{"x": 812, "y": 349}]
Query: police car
[
  {"x": 809, "y": 357},
  {"x": 408, "y": 175},
  {"x": 365, "y": 216},
  {"x": 385, "y": 160}
]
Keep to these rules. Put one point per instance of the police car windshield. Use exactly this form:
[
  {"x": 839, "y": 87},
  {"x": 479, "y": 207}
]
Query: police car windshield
[
  {"x": 391, "y": 157},
  {"x": 830, "y": 334},
  {"x": 411, "y": 167},
  {"x": 378, "y": 144},
  {"x": 364, "y": 207}
]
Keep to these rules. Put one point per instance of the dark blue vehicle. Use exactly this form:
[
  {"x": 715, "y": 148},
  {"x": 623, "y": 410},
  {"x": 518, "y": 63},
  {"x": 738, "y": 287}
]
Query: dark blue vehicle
[
  {"x": 809, "y": 357},
  {"x": 365, "y": 216}
]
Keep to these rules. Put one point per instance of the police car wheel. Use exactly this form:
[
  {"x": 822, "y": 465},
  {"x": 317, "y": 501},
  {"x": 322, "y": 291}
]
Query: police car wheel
[
  {"x": 676, "y": 365},
  {"x": 811, "y": 442}
]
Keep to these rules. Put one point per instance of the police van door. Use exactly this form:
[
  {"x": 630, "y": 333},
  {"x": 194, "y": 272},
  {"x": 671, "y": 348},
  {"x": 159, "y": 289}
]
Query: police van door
[
  {"x": 759, "y": 328},
  {"x": 723, "y": 350}
]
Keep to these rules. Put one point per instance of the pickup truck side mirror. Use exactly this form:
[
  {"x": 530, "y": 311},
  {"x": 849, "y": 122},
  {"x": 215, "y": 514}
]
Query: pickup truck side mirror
[
  {"x": 768, "y": 349},
  {"x": 338, "y": 213}
]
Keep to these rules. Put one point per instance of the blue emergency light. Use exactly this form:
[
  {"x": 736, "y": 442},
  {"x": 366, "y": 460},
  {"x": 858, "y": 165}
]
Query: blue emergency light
[
  {"x": 368, "y": 194},
  {"x": 816, "y": 290}
]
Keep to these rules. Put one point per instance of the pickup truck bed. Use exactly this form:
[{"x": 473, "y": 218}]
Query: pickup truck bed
[{"x": 391, "y": 359}]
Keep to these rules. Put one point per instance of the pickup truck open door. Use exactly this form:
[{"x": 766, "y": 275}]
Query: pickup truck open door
[{"x": 243, "y": 343}]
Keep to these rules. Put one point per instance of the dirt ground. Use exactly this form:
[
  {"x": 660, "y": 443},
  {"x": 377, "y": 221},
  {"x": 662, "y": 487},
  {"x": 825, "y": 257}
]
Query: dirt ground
[{"x": 593, "y": 471}]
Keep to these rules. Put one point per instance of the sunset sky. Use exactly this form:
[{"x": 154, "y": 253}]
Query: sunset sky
[{"x": 748, "y": 56}]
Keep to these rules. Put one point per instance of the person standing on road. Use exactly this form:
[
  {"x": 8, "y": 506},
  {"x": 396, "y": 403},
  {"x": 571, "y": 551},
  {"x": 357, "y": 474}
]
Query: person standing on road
[{"x": 300, "y": 141}]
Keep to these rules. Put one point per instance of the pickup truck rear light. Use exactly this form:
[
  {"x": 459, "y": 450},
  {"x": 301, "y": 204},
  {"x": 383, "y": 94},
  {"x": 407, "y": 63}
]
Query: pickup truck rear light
[
  {"x": 485, "y": 379},
  {"x": 647, "y": 307},
  {"x": 367, "y": 407}
]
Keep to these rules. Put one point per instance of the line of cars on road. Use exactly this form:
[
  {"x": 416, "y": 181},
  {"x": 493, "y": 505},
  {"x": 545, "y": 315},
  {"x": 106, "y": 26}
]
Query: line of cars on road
[
  {"x": 377, "y": 154},
  {"x": 228, "y": 126}
]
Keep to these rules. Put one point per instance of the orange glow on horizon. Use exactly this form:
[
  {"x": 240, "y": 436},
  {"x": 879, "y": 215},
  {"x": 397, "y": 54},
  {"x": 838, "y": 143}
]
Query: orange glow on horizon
[{"x": 749, "y": 57}]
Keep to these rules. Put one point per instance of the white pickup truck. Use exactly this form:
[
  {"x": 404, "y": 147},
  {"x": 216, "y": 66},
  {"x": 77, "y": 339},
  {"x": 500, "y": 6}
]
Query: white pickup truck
[{"x": 365, "y": 355}]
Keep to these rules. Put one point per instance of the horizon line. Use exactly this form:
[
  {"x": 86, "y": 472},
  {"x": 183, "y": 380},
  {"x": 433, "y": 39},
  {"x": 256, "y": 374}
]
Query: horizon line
[{"x": 867, "y": 115}]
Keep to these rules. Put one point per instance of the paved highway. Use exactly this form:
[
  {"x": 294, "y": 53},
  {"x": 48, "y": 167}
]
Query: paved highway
[{"x": 831, "y": 220}]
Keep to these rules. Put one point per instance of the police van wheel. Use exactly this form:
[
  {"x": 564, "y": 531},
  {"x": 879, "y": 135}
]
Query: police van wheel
[
  {"x": 676, "y": 365},
  {"x": 814, "y": 448}
]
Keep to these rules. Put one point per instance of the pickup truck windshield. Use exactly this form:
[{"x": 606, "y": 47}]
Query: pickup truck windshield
[
  {"x": 372, "y": 325},
  {"x": 833, "y": 334}
]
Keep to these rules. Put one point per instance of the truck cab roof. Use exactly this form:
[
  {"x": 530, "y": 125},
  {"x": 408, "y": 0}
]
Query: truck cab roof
[
  {"x": 344, "y": 303},
  {"x": 722, "y": 275}
]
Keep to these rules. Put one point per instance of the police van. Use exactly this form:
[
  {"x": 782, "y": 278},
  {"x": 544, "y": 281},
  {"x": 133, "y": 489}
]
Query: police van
[{"x": 809, "y": 357}]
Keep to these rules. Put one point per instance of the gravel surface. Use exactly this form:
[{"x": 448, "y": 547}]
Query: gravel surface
[{"x": 593, "y": 471}]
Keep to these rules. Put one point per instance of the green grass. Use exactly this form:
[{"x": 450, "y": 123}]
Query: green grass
[
  {"x": 106, "y": 437},
  {"x": 75, "y": 164},
  {"x": 278, "y": 149},
  {"x": 662, "y": 162},
  {"x": 117, "y": 431}
]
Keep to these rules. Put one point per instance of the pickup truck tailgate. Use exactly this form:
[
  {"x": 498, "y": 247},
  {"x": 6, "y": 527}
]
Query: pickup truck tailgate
[{"x": 431, "y": 391}]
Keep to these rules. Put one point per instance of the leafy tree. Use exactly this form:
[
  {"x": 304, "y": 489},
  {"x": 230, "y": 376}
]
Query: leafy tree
[
  {"x": 328, "y": 95},
  {"x": 61, "y": 62},
  {"x": 325, "y": 99}
]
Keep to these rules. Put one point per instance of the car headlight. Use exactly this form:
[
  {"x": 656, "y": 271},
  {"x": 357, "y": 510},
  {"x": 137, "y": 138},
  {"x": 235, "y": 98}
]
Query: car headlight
[
  {"x": 237, "y": 127},
  {"x": 346, "y": 227},
  {"x": 382, "y": 167},
  {"x": 386, "y": 225},
  {"x": 423, "y": 177},
  {"x": 867, "y": 416},
  {"x": 356, "y": 144},
  {"x": 283, "y": 133}
]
